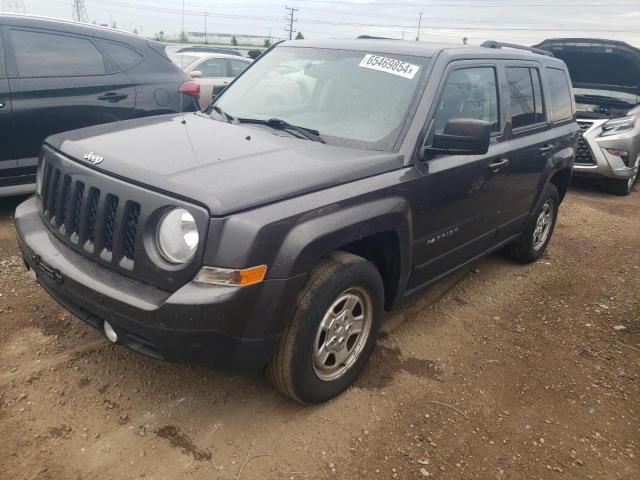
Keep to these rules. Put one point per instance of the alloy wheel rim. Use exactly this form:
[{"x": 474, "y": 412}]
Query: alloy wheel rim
[
  {"x": 342, "y": 334},
  {"x": 543, "y": 225}
]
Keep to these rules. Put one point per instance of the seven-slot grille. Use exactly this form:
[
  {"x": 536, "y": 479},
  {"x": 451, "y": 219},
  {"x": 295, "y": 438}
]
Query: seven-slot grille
[
  {"x": 584, "y": 154},
  {"x": 98, "y": 222}
]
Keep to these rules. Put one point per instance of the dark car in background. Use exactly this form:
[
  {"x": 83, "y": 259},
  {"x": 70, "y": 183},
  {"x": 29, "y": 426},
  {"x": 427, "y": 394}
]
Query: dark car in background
[
  {"x": 606, "y": 85},
  {"x": 57, "y": 76}
]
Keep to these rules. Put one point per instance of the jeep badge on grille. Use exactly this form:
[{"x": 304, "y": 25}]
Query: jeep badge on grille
[{"x": 93, "y": 158}]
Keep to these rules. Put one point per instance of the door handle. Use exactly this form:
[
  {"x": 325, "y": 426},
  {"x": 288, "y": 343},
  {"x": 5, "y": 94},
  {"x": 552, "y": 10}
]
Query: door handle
[
  {"x": 1, "y": 104},
  {"x": 112, "y": 97},
  {"x": 496, "y": 166},
  {"x": 546, "y": 149}
]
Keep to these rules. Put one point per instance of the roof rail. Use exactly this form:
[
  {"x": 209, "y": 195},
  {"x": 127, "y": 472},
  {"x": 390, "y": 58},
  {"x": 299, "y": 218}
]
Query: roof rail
[{"x": 494, "y": 44}]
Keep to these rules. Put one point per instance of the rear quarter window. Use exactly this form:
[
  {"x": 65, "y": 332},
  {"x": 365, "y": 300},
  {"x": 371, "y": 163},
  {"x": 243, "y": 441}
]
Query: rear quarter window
[
  {"x": 123, "y": 56},
  {"x": 560, "y": 95},
  {"x": 40, "y": 54}
]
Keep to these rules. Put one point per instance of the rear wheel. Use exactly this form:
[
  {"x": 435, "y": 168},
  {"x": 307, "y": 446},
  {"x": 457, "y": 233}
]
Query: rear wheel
[
  {"x": 533, "y": 242},
  {"x": 333, "y": 331}
]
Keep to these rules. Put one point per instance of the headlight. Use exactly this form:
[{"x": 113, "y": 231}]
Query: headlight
[
  {"x": 177, "y": 236},
  {"x": 618, "y": 125}
]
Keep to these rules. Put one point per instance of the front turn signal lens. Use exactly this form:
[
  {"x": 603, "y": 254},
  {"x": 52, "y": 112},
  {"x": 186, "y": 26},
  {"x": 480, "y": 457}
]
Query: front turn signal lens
[{"x": 232, "y": 277}]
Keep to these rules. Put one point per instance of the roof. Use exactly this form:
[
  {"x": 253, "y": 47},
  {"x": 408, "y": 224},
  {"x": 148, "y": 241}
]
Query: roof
[
  {"x": 420, "y": 49},
  {"x": 42, "y": 21}
]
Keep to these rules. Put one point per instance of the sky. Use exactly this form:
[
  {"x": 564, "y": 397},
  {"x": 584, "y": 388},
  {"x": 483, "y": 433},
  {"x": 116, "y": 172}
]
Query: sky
[{"x": 517, "y": 21}]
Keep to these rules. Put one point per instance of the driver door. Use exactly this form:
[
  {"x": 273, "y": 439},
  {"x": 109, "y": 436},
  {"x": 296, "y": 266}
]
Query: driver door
[{"x": 462, "y": 196}]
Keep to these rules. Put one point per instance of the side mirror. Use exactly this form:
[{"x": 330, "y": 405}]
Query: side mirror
[
  {"x": 196, "y": 74},
  {"x": 462, "y": 136}
]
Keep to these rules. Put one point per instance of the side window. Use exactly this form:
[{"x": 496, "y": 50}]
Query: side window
[
  {"x": 525, "y": 95},
  {"x": 469, "y": 93},
  {"x": 237, "y": 67},
  {"x": 123, "y": 56},
  {"x": 51, "y": 55},
  {"x": 560, "y": 94},
  {"x": 213, "y": 68}
]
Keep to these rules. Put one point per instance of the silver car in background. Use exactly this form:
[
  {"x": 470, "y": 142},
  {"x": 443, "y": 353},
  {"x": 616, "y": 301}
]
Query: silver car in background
[
  {"x": 606, "y": 80},
  {"x": 212, "y": 71}
]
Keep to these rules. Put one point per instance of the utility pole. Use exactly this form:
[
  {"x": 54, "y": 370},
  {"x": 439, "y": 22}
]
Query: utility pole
[
  {"x": 13, "y": 6},
  {"x": 182, "y": 30},
  {"x": 291, "y": 19},
  {"x": 80, "y": 11},
  {"x": 206, "y": 39},
  {"x": 419, "y": 27}
]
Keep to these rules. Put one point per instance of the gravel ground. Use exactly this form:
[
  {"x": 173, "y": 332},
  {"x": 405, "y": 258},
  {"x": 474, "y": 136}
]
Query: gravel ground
[{"x": 501, "y": 372}]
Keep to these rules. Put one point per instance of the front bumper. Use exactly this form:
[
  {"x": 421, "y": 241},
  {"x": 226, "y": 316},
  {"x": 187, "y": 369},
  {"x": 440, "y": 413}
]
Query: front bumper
[
  {"x": 235, "y": 327},
  {"x": 598, "y": 161}
]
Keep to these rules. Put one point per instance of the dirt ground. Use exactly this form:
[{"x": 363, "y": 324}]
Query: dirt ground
[{"x": 502, "y": 372}]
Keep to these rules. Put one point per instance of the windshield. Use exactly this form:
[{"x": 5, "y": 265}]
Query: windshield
[
  {"x": 351, "y": 98},
  {"x": 182, "y": 59}
]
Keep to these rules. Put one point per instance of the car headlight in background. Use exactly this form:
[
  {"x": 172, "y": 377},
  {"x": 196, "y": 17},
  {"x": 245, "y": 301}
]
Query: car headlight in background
[
  {"x": 618, "y": 125},
  {"x": 177, "y": 238}
]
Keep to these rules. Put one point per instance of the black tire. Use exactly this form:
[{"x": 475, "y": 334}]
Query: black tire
[
  {"x": 292, "y": 369},
  {"x": 619, "y": 187},
  {"x": 523, "y": 249}
]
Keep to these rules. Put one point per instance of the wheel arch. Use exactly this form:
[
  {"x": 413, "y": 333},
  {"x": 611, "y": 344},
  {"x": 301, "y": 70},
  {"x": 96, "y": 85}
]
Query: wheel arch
[
  {"x": 379, "y": 231},
  {"x": 562, "y": 179}
]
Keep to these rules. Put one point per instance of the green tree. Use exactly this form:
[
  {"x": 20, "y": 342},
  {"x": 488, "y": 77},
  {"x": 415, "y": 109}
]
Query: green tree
[
  {"x": 299, "y": 36},
  {"x": 267, "y": 43},
  {"x": 183, "y": 37},
  {"x": 234, "y": 41}
]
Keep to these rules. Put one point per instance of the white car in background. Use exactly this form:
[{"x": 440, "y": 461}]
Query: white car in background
[{"x": 212, "y": 71}]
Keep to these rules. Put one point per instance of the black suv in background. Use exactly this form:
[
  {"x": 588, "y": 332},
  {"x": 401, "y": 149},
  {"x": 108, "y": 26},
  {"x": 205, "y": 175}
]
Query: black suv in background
[
  {"x": 329, "y": 181},
  {"x": 57, "y": 76}
]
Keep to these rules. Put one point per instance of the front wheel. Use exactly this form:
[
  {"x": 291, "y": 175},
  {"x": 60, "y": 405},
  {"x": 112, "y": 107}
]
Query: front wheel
[
  {"x": 533, "y": 242},
  {"x": 333, "y": 331}
]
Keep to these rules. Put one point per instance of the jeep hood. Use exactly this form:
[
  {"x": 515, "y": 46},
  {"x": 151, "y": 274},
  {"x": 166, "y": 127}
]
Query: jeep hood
[
  {"x": 222, "y": 166},
  {"x": 598, "y": 64}
]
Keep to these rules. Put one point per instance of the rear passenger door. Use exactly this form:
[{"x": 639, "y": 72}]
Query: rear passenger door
[
  {"x": 59, "y": 82},
  {"x": 530, "y": 141}
]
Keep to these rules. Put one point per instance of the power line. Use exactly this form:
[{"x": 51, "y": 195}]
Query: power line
[
  {"x": 472, "y": 4},
  {"x": 80, "y": 11},
  {"x": 474, "y": 27},
  {"x": 291, "y": 19}
]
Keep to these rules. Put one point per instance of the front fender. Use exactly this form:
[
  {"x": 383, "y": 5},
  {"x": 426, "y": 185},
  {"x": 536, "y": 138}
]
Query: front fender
[{"x": 331, "y": 228}]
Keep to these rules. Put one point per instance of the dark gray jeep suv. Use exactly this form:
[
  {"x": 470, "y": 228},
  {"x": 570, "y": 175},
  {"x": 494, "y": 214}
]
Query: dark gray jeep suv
[{"x": 328, "y": 182}]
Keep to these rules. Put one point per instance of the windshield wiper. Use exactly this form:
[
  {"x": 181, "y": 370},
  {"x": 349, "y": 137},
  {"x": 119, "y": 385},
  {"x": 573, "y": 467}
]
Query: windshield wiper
[
  {"x": 280, "y": 124},
  {"x": 227, "y": 118}
]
